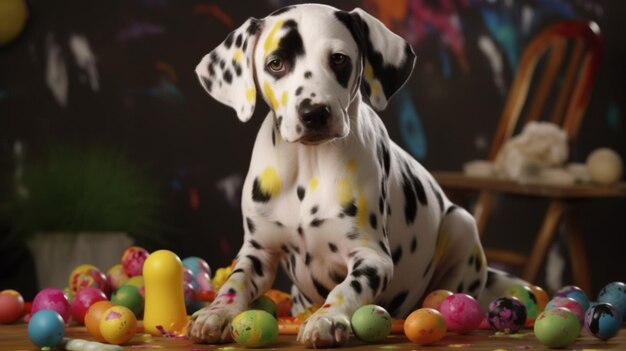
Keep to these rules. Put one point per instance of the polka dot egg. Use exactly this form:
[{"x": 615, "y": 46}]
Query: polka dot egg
[{"x": 254, "y": 328}]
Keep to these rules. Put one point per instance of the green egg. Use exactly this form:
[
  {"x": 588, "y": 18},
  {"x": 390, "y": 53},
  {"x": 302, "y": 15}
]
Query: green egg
[
  {"x": 254, "y": 328},
  {"x": 527, "y": 297},
  {"x": 264, "y": 303},
  {"x": 371, "y": 323},
  {"x": 557, "y": 327}
]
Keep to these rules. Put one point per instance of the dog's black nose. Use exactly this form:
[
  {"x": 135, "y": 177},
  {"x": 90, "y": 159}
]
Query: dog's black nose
[{"x": 314, "y": 116}]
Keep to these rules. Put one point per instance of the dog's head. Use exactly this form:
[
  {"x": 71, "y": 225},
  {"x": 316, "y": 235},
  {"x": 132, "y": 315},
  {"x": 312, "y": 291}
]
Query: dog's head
[{"x": 308, "y": 62}]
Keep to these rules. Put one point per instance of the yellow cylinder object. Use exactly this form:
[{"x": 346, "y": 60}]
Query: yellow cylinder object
[
  {"x": 13, "y": 15},
  {"x": 164, "y": 297}
]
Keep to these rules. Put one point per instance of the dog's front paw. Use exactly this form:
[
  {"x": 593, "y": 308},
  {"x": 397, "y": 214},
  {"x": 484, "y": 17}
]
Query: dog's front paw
[
  {"x": 325, "y": 330},
  {"x": 210, "y": 325}
]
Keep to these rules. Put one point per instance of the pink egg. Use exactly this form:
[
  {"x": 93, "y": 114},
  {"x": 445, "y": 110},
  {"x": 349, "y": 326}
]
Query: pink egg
[
  {"x": 133, "y": 259},
  {"x": 570, "y": 304},
  {"x": 52, "y": 299},
  {"x": 83, "y": 300},
  {"x": 462, "y": 313}
]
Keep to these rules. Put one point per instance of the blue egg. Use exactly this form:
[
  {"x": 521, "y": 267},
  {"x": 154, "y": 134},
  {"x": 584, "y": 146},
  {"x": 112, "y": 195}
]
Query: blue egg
[
  {"x": 615, "y": 294},
  {"x": 46, "y": 328},
  {"x": 575, "y": 293},
  {"x": 197, "y": 265},
  {"x": 603, "y": 321}
]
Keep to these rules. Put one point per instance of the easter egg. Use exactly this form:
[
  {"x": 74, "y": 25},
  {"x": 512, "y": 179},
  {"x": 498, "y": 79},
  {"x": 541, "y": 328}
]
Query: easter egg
[
  {"x": 116, "y": 276},
  {"x": 425, "y": 326},
  {"x": 138, "y": 283},
  {"x": 371, "y": 323},
  {"x": 527, "y": 297},
  {"x": 83, "y": 300},
  {"x": 615, "y": 294},
  {"x": 603, "y": 321},
  {"x": 605, "y": 166},
  {"x": 52, "y": 299},
  {"x": 575, "y": 293},
  {"x": 264, "y": 303},
  {"x": 254, "y": 328},
  {"x": 462, "y": 313},
  {"x": 93, "y": 316},
  {"x": 87, "y": 275},
  {"x": 46, "y": 328},
  {"x": 557, "y": 327},
  {"x": 196, "y": 265},
  {"x": 282, "y": 300},
  {"x": 541, "y": 295},
  {"x": 506, "y": 314},
  {"x": 129, "y": 296},
  {"x": 118, "y": 324},
  {"x": 133, "y": 259},
  {"x": 187, "y": 275},
  {"x": 11, "y": 306},
  {"x": 568, "y": 303},
  {"x": 435, "y": 298}
]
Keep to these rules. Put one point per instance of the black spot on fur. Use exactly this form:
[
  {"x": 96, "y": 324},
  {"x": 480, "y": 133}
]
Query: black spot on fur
[
  {"x": 257, "y": 194},
  {"x": 438, "y": 196},
  {"x": 284, "y": 248},
  {"x": 313, "y": 210},
  {"x": 279, "y": 121},
  {"x": 357, "y": 263},
  {"x": 255, "y": 244},
  {"x": 350, "y": 209},
  {"x": 381, "y": 205},
  {"x": 396, "y": 302},
  {"x": 384, "y": 247},
  {"x": 273, "y": 138},
  {"x": 356, "y": 286},
  {"x": 491, "y": 278},
  {"x": 342, "y": 72},
  {"x": 207, "y": 83},
  {"x": 373, "y": 221},
  {"x": 410, "y": 202},
  {"x": 239, "y": 40},
  {"x": 290, "y": 47},
  {"x": 256, "y": 264},
  {"x": 251, "y": 226},
  {"x": 397, "y": 255},
  {"x": 256, "y": 287},
  {"x": 245, "y": 45},
  {"x": 298, "y": 91},
  {"x": 308, "y": 74},
  {"x": 295, "y": 248},
  {"x": 281, "y": 11},
  {"x": 254, "y": 26},
  {"x": 316, "y": 222},
  {"x": 299, "y": 129},
  {"x": 222, "y": 64},
  {"x": 229, "y": 40},
  {"x": 353, "y": 235},
  {"x": 373, "y": 279},
  {"x": 451, "y": 208},
  {"x": 236, "y": 271},
  {"x": 300, "y": 231},
  {"x": 300, "y": 192},
  {"x": 307, "y": 258},
  {"x": 228, "y": 77},
  {"x": 332, "y": 247},
  {"x": 320, "y": 288},
  {"x": 413, "y": 244}
]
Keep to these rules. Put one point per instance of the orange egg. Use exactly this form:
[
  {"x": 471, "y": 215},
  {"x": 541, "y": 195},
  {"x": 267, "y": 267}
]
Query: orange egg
[
  {"x": 118, "y": 324},
  {"x": 93, "y": 316},
  {"x": 435, "y": 298},
  {"x": 542, "y": 297},
  {"x": 425, "y": 326}
]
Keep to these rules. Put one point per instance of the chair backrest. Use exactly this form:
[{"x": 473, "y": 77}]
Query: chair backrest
[{"x": 570, "y": 52}]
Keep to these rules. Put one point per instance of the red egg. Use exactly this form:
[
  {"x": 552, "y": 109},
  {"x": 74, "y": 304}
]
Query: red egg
[
  {"x": 133, "y": 259},
  {"x": 11, "y": 306},
  {"x": 83, "y": 300}
]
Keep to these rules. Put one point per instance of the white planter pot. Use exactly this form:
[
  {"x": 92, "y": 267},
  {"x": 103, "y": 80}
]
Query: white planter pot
[{"x": 57, "y": 254}]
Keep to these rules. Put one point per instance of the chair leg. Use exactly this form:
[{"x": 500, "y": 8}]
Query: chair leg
[
  {"x": 545, "y": 237},
  {"x": 483, "y": 206},
  {"x": 577, "y": 252}
]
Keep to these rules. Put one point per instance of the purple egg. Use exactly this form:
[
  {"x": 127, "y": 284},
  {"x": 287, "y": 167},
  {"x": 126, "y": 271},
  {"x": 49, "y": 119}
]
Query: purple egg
[
  {"x": 507, "y": 314},
  {"x": 52, "y": 299}
]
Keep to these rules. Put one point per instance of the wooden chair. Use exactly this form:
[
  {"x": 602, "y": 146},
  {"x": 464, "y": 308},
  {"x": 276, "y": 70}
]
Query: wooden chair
[{"x": 558, "y": 66}]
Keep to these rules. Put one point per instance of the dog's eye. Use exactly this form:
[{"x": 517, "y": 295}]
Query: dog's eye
[
  {"x": 276, "y": 65},
  {"x": 338, "y": 59}
]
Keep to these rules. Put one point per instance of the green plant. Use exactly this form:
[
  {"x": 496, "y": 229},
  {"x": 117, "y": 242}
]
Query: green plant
[{"x": 73, "y": 189}]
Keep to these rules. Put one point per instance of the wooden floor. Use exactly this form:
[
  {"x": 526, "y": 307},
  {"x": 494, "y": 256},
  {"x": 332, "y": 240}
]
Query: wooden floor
[{"x": 14, "y": 338}]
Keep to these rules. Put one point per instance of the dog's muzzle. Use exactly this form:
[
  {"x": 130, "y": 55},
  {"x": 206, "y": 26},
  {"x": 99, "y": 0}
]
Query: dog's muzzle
[{"x": 315, "y": 117}]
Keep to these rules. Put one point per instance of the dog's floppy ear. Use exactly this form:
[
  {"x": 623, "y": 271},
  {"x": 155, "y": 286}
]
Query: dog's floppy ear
[
  {"x": 387, "y": 58},
  {"x": 227, "y": 72}
]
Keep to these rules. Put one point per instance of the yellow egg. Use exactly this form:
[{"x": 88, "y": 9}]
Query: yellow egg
[{"x": 118, "y": 325}]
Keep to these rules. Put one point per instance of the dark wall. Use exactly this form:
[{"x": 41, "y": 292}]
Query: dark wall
[{"x": 148, "y": 101}]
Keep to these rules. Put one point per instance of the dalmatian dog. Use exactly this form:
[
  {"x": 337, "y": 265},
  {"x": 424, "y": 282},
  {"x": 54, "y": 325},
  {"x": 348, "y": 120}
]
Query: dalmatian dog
[{"x": 351, "y": 217}]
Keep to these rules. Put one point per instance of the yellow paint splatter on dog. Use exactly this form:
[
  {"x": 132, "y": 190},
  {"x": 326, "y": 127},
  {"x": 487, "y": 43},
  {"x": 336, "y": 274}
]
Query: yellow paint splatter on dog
[
  {"x": 345, "y": 191},
  {"x": 237, "y": 55},
  {"x": 250, "y": 94},
  {"x": 269, "y": 181},
  {"x": 361, "y": 215},
  {"x": 313, "y": 183},
  {"x": 368, "y": 72},
  {"x": 271, "y": 42},
  {"x": 283, "y": 98},
  {"x": 270, "y": 95}
]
